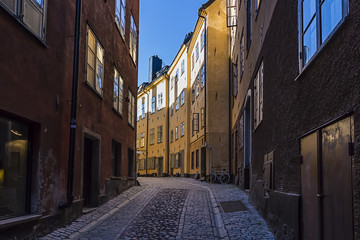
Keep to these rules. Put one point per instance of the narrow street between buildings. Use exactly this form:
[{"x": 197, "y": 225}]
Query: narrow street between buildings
[{"x": 171, "y": 208}]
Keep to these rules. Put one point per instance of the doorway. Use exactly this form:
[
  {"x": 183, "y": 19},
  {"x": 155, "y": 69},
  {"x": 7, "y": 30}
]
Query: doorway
[
  {"x": 326, "y": 179},
  {"x": 91, "y": 160},
  {"x": 247, "y": 141}
]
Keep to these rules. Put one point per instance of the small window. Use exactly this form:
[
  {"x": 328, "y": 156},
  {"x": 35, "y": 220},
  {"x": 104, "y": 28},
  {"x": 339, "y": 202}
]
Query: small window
[
  {"x": 143, "y": 108},
  {"x": 160, "y": 101},
  {"x": 153, "y": 104},
  {"x": 202, "y": 117},
  {"x": 118, "y": 92},
  {"x": 116, "y": 159},
  {"x": 318, "y": 20},
  {"x": 197, "y": 158},
  {"x": 177, "y": 104},
  {"x": 182, "y": 129},
  {"x": 142, "y": 141},
  {"x": 197, "y": 51},
  {"x": 195, "y": 122},
  {"x": 171, "y": 136},
  {"x": 120, "y": 16},
  {"x": 133, "y": 39},
  {"x": 159, "y": 134},
  {"x": 192, "y": 61},
  {"x": 242, "y": 54},
  {"x": 152, "y": 136},
  {"x": 203, "y": 76},
  {"x": 248, "y": 24},
  {"x": 182, "y": 66},
  {"x": 202, "y": 39},
  {"x": 176, "y": 133},
  {"x": 95, "y": 63},
  {"x": 192, "y": 160},
  {"x": 235, "y": 78},
  {"x": 182, "y": 97}
]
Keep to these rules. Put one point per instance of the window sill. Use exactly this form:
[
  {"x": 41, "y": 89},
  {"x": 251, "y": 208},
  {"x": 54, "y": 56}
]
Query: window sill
[
  {"x": 41, "y": 41},
  {"x": 18, "y": 220},
  {"x": 117, "y": 112},
  {"x": 92, "y": 88}
]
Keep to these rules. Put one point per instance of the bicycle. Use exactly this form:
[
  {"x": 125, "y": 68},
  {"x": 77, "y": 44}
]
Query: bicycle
[{"x": 219, "y": 176}]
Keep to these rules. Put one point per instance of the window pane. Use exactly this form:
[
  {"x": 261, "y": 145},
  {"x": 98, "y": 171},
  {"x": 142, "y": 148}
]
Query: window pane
[
  {"x": 90, "y": 76},
  {"x": 10, "y": 3},
  {"x": 91, "y": 58},
  {"x": 13, "y": 167},
  {"x": 91, "y": 40},
  {"x": 99, "y": 76},
  {"x": 100, "y": 53},
  {"x": 309, "y": 47},
  {"x": 331, "y": 14},
  {"x": 309, "y": 9}
]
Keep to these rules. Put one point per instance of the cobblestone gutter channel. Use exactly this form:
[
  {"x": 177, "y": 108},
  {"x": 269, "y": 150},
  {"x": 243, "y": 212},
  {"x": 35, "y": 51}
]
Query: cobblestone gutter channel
[{"x": 160, "y": 217}]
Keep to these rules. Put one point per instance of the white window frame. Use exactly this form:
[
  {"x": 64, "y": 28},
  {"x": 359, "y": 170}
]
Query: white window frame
[
  {"x": 131, "y": 109},
  {"x": 133, "y": 39},
  {"x": 120, "y": 12},
  {"x": 160, "y": 101},
  {"x": 118, "y": 104},
  {"x": 98, "y": 63},
  {"x": 182, "y": 129}
]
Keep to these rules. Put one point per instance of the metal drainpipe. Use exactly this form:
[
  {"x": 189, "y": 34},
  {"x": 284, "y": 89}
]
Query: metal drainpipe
[
  {"x": 229, "y": 106},
  {"x": 70, "y": 179},
  {"x": 205, "y": 52}
]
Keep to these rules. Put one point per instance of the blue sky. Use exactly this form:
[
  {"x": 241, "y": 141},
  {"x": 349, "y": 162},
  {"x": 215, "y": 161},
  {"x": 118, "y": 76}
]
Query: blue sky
[{"x": 163, "y": 26}]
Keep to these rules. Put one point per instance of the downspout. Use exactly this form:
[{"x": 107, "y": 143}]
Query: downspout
[
  {"x": 205, "y": 63},
  {"x": 70, "y": 178},
  {"x": 147, "y": 132},
  {"x": 229, "y": 105}
]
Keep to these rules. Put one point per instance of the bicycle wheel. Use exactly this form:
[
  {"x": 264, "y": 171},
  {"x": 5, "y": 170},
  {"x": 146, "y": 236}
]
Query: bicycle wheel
[
  {"x": 211, "y": 178},
  {"x": 224, "y": 178}
]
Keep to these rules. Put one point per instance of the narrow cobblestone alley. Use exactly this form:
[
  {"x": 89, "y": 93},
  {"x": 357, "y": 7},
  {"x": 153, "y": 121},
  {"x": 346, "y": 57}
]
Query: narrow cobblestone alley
[{"x": 169, "y": 208}]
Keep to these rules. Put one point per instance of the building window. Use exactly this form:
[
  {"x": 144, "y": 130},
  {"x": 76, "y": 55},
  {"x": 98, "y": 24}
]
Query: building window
[
  {"x": 159, "y": 134},
  {"x": 172, "y": 109},
  {"x": 120, "y": 16},
  {"x": 172, "y": 82},
  {"x": 258, "y": 96},
  {"x": 15, "y": 167},
  {"x": 197, "y": 85},
  {"x": 197, "y": 158},
  {"x": 182, "y": 66},
  {"x": 133, "y": 39},
  {"x": 182, "y": 97},
  {"x": 176, "y": 133},
  {"x": 32, "y": 13},
  {"x": 152, "y": 136},
  {"x": 192, "y": 61},
  {"x": 153, "y": 104},
  {"x": 143, "y": 108},
  {"x": 319, "y": 19},
  {"x": 202, "y": 117},
  {"x": 242, "y": 54},
  {"x": 193, "y": 93},
  {"x": 195, "y": 122},
  {"x": 116, "y": 159},
  {"x": 202, "y": 39},
  {"x": 142, "y": 141},
  {"x": 118, "y": 92},
  {"x": 177, "y": 75},
  {"x": 95, "y": 63},
  {"x": 235, "y": 78},
  {"x": 171, "y": 136},
  {"x": 248, "y": 24},
  {"x": 182, "y": 129},
  {"x": 203, "y": 76},
  {"x": 192, "y": 160},
  {"x": 131, "y": 109},
  {"x": 137, "y": 141},
  {"x": 197, "y": 51},
  {"x": 177, "y": 104},
  {"x": 160, "y": 101}
]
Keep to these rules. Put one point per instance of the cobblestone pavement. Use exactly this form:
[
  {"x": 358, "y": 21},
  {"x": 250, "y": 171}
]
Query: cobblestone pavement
[{"x": 169, "y": 208}]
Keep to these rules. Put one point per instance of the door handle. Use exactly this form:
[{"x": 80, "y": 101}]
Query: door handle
[{"x": 320, "y": 195}]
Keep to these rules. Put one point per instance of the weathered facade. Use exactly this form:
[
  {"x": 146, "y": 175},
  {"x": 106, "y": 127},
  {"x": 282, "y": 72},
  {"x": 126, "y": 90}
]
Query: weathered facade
[
  {"x": 294, "y": 114},
  {"x": 35, "y": 110},
  {"x": 198, "y": 101}
]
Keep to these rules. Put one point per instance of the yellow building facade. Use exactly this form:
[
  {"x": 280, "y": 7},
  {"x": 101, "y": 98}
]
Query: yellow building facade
[{"x": 198, "y": 120}]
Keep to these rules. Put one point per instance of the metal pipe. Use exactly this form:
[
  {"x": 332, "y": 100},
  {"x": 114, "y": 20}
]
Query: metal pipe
[{"x": 70, "y": 179}]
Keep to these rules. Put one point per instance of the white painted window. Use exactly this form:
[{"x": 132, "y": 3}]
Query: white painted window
[
  {"x": 133, "y": 39},
  {"x": 118, "y": 92},
  {"x": 258, "y": 96},
  {"x": 120, "y": 16}
]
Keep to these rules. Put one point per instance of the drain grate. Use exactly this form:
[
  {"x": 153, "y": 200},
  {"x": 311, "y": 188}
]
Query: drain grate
[{"x": 233, "y": 206}]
